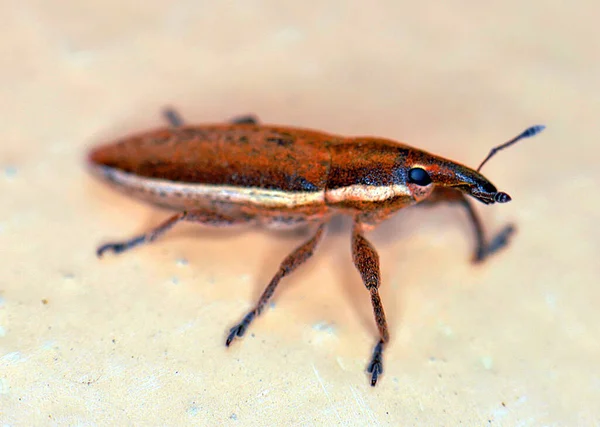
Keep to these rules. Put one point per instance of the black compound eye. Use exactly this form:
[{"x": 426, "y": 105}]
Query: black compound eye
[{"x": 419, "y": 176}]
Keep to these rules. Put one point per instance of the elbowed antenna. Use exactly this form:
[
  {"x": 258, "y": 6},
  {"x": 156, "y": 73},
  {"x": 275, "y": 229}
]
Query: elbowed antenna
[{"x": 527, "y": 133}]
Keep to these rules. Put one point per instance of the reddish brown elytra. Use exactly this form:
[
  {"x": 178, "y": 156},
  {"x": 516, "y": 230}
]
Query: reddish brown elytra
[{"x": 244, "y": 172}]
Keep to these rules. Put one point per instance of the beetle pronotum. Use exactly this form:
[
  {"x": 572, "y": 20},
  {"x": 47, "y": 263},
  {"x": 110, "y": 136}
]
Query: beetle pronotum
[{"x": 244, "y": 172}]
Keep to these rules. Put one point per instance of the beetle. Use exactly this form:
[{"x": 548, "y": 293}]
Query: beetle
[{"x": 244, "y": 172}]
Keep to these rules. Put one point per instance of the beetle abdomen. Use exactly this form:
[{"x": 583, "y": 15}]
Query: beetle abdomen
[{"x": 190, "y": 167}]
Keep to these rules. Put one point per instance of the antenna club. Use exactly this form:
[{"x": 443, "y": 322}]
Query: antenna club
[
  {"x": 533, "y": 131},
  {"x": 501, "y": 197}
]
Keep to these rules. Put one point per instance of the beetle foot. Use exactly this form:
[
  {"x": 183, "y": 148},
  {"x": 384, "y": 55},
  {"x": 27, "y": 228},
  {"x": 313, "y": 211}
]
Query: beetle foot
[
  {"x": 172, "y": 117},
  {"x": 248, "y": 119},
  {"x": 120, "y": 247},
  {"x": 240, "y": 329},
  {"x": 498, "y": 242},
  {"x": 375, "y": 367}
]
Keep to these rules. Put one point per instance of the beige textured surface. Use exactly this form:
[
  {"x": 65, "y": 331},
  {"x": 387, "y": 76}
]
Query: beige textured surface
[{"x": 138, "y": 339}]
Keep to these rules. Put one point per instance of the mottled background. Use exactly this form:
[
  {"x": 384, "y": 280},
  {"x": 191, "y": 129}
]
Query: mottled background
[{"x": 138, "y": 339}]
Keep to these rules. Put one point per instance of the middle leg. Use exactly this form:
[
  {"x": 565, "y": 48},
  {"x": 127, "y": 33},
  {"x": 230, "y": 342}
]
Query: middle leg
[{"x": 298, "y": 257}]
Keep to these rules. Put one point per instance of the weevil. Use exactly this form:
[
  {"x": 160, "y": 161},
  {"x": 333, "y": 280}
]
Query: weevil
[{"x": 244, "y": 172}]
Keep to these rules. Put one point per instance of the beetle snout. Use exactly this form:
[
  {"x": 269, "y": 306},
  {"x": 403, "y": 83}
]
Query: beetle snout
[
  {"x": 476, "y": 185},
  {"x": 490, "y": 197},
  {"x": 488, "y": 194}
]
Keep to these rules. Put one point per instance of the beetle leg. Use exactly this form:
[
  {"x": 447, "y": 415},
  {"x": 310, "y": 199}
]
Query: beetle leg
[
  {"x": 205, "y": 217},
  {"x": 298, "y": 257},
  {"x": 366, "y": 261},
  {"x": 483, "y": 248},
  {"x": 173, "y": 117},
  {"x": 245, "y": 120},
  {"x": 175, "y": 120}
]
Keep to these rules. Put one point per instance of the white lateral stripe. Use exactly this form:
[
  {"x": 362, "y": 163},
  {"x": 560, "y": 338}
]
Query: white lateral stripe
[
  {"x": 229, "y": 193},
  {"x": 367, "y": 193}
]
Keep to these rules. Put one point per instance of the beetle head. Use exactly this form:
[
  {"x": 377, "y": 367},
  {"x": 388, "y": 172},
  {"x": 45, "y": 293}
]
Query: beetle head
[
  {"x": 427, "y": 171},
  {"x": 423, "y": 176}
]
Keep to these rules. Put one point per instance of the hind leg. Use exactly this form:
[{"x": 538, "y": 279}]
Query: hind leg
[
  {"x": 174, "y": 119},
  {"x": 205, "y": 217}
]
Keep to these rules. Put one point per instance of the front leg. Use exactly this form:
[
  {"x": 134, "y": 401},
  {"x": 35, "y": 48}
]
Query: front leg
[
  {"x": 366, "y": 261},
  {"x": 483, "y": 248}
]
